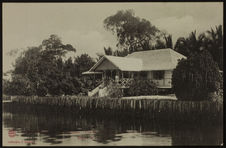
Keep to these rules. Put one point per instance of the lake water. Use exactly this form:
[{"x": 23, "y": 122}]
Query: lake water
[{"x": 48, "y": 126}]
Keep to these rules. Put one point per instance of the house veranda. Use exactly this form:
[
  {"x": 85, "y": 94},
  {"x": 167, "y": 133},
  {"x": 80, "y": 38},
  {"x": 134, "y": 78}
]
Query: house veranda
[{"x": 153, "y": 65}]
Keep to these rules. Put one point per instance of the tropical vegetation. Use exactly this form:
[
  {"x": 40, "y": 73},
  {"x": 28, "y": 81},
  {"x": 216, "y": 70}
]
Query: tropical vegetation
[
  {"x": 197, "y": 77},
  {"x": 43, "y": 70}
]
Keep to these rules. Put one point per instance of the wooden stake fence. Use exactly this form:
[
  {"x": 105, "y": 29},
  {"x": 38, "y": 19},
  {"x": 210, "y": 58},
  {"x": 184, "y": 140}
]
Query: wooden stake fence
[{"x": 152, "y": 108}]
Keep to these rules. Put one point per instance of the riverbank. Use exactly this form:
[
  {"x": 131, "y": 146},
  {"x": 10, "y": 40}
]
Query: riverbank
[{"x": 147, "y": 108}]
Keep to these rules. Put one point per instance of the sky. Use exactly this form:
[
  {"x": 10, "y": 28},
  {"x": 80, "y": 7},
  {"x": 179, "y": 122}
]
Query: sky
[{"x": 81, "y": 24}]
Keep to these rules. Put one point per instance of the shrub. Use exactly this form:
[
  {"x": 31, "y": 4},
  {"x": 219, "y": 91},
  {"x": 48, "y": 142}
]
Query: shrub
[
  {"x": 19, "y": 85},
  {"x": 197, "y": 77},
  {"x": 114, "y": 90},
  {"x": 41, "y": 90},
  {"x": 142, "y": 87}
]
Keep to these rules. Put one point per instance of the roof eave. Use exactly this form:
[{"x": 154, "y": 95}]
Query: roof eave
[{"x": 95, "y": 65}]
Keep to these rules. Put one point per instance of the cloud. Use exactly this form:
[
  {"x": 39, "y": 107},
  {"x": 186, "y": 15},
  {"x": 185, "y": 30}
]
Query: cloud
[
  {"x": 178, "y": 27},
  {"x": 90, "y": 42},
  {"x": 183, "y": 26}
]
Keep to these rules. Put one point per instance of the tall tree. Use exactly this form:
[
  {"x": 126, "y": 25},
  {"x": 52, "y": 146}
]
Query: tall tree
[
  {"x": 41, "y": 68},
  {"x": 120, "y": 53},
  {"x": 165, "y": 41},
  {"x": 191, "y": 45},
  {"x": 160, "y": 44},
  {"x": 214, "y": 44},
  {"x": 108, "y": 51},
  {"x": 52, "y": 51},
  {"x": 211, "y": 40},
  {"x": 83, "y": 62},
  {"x": 133, "y": 33},
  {"x": 54, "y": 47},
  {"x": 169, "y": 42}
]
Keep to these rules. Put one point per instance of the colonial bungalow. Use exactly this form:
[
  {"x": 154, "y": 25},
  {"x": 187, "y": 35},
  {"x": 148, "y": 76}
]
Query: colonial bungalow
[{"x": 155, "y": 65}]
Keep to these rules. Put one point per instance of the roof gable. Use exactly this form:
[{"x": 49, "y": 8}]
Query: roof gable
[
  {"x": 105, "y": 65},
  {"x": 121, "y": 63}
]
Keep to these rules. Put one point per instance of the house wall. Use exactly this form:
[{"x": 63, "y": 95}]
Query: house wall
[
  {"x": 150, "y": 75},
  {"x": 167, "y": 74},
  {"x": 167, "y": 78}
]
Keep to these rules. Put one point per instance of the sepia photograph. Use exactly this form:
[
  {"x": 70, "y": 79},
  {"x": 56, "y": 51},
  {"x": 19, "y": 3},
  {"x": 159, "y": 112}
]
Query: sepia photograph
[{"x": 112, "y": 74}]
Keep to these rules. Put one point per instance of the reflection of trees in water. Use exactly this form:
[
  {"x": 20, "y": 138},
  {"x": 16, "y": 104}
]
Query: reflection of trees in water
[
  {"x": 197, "y": 134},
  {"x": 106, "y": 131},
  {"x": 56, "y": 124}
]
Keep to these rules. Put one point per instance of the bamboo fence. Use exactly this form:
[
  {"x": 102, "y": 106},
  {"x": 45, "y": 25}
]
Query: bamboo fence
[{"x": 165, "y": 109}]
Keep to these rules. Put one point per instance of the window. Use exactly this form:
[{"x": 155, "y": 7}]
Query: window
[
  {"x": 143, "y": 74},
  {"x": 125, "y": 74},
  {"x": 158, "y": 75}
]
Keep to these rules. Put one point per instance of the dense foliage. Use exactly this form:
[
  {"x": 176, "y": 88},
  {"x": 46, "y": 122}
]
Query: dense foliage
[
  {"x": 136, "y": 34},
  {"x": 42, "y": 70},
  {"x": 211, "y": 40},
  {"x": 196, "y": 77},
  {"x": 142, "y": 87},
  {"x": 133, "y": 33},
  {"x": 114, "y": 90}
]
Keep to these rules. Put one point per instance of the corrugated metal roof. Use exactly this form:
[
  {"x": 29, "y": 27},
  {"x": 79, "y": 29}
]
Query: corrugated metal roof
[
  {"x": 161, "y": 59},
  {"x": 126, "y": 64}
]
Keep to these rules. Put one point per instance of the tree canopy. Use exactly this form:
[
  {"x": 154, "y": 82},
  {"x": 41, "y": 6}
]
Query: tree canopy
[
  {"x": 133, "y": 33},
  {"x": 196, "y": 77},
  {"x": 211, "y": 40},
  {"x": 214, "y": 44},
  {"x": 41, "y": 70}
]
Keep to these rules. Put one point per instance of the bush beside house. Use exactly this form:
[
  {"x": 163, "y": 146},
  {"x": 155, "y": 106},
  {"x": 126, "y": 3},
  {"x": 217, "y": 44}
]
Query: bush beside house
[
  {"x": 142, "y": 87},
  {"x": 196, "y": 78},
  {"x": 114, "y": 90}
]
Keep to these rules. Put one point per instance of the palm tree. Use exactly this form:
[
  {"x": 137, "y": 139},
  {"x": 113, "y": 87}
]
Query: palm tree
[
  {"x": 214, "y": 44},
  {"x": 163, "y": 41},
  {"x": 168, "y": 40},
  {"x": 108, "y": 51},
  {"x": 181, "y": 46},
  {"x": 190, "y": 45}
]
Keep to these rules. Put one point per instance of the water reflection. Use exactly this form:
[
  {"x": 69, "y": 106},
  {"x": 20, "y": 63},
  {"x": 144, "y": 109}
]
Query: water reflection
[{"x": 40, "y": 125}]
